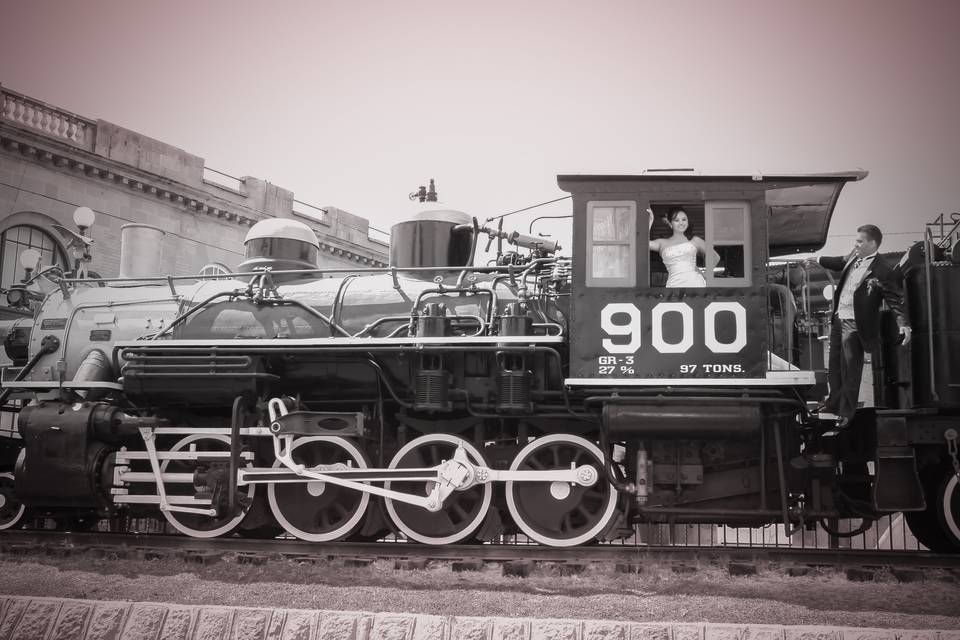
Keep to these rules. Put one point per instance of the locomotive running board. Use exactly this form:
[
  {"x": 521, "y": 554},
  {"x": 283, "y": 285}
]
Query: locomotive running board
[
  {"x": 773, "y": 379},
  {"x": 292, "y": 344}
]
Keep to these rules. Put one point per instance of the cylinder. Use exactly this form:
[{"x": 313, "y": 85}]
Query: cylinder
[
  {"x": 140, "y": 250},
  {"x": 514, "y": 322},
  {"x": 434, "y": 322},
  {"x": 513, "y": 391},
  {"x": 431, "y": 390}
]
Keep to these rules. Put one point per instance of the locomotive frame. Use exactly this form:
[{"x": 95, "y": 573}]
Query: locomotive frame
[{"x": 561, "y": 399}]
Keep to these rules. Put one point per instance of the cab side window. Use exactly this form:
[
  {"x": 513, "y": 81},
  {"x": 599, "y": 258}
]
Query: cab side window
[
  {"x": 728, "y": 233},
  {"x": 611, "y": 244}
]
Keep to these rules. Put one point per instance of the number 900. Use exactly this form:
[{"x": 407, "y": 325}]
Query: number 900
[{"x": 666, "y": 312}]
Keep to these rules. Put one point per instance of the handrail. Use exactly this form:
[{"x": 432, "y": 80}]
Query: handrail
[
  {"x": 927, "y": 260},
  {"x": 945, "y": 236},
  {"x": 291, "y": 272}
]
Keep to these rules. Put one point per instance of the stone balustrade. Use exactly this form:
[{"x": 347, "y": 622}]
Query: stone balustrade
[
  {"x": 101, "y": 152},
  {"x": 48, "y": 120}
]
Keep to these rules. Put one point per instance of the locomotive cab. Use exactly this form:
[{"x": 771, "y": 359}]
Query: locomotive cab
[{"x": 640, "y": 328}]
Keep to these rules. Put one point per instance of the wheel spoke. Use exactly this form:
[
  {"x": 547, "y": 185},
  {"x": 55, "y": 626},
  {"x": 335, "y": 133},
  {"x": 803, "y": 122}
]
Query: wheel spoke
[
  {"x": 320, "y": 512},
  {"x": 555, "y": 513},
  {"x": 195, "y": 525},
  {"x": 463, "y": 511},
  {"x": 13, "y": 510},
  {"x": 535, "y": 464}
]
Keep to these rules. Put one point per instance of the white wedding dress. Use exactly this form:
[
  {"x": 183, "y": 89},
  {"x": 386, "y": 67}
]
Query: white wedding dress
[{"x": 681, "y": 262}]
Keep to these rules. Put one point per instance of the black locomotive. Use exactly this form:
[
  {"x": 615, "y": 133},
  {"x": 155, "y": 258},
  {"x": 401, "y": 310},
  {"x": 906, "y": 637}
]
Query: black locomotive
[{"x": 562, "y": 399}]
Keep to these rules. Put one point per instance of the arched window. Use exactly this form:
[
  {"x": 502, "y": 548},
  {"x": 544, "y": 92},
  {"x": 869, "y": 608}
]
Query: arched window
[
  {"x": 14, "y": 240},
  {"x": 214, "y": 269}
]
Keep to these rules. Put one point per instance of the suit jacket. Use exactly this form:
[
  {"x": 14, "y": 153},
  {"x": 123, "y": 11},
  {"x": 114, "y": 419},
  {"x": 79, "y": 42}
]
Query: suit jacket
[{"x": 880, "y": 283}]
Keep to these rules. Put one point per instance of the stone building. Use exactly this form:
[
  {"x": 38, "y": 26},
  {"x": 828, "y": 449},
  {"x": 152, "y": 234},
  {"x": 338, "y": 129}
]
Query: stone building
[{"x": 53, "y": 161}]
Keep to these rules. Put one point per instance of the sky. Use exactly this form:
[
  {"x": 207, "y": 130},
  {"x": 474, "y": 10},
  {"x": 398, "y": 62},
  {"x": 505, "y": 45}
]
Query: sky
[{"x": 354, "y": 104}]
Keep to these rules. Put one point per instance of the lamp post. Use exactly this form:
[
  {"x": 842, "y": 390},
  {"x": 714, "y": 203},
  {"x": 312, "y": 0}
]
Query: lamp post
[
  {"x": 30, "y": 260},
  {"x": 17, "y": 295},
  {"x": 83, "y": 217}
]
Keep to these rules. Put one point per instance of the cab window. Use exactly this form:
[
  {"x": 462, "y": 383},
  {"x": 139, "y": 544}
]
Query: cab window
[
  {"x": 724, "y": 228},
  {"x": 728, "y": 233},
  {"x": 611, "y": 244}
]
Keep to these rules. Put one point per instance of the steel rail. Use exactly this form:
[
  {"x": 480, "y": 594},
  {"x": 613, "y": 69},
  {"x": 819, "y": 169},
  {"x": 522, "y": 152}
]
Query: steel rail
[{"x": 57, "y": 542}]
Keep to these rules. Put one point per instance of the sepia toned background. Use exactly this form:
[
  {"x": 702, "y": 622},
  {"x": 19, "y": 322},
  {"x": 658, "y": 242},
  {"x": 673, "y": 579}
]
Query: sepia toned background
[{"x": 358, "y": 103}]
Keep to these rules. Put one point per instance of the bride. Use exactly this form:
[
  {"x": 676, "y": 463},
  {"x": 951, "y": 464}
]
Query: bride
[{"x": 679, "y": 251}]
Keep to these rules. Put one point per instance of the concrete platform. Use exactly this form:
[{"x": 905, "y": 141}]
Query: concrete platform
[{"x": 62, "y": 619}]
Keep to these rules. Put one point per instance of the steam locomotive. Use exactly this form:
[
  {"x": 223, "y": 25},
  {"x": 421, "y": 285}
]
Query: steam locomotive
[{"x": 562, "y": 399}]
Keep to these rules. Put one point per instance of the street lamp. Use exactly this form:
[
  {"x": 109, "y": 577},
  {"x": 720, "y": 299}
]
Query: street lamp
[
  {"x": 84, "y": 217},
  {"x": 29, "y": 260},
  {"x": 78, "y": 243}
]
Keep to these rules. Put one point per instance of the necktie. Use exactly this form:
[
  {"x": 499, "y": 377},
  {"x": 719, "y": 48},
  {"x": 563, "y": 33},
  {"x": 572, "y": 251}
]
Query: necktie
[{"x": 856, "y": 265}]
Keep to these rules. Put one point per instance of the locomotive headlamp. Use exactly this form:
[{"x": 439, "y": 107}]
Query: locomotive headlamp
[
  {"x": 84, "y": 217},
  {"x": 16, "y": 296}
]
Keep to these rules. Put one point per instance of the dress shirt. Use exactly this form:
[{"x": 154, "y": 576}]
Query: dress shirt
[{"x": 854, "y": 278}]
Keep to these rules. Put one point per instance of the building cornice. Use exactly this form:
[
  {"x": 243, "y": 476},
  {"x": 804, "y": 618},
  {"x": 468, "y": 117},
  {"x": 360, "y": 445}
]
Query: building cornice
[
  {"x": 81, "y": 162},
  {"x": 49, "y": 136}
]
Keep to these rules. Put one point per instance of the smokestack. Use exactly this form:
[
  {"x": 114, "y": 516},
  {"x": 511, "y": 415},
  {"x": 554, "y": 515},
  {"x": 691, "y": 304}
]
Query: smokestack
[{"x": 140, "y": 250}]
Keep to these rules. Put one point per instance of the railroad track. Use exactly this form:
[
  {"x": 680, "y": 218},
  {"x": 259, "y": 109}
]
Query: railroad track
[{"x": 516, "y": 559}]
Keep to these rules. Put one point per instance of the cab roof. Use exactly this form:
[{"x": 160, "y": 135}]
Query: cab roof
[{"x": 800, "y": 205}]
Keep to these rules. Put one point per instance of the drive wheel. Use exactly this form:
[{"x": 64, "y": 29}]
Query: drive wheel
[
  {"x": 463, "y": 511},
  {"x": 561, "y": 514},
  {"x": 320, "y": 511},
  {"x": 930, "y": 527},
  {"x": 196, "y": 525},
  {"x": 948, "y": 511},
  {"x": 11, "y": 509}
]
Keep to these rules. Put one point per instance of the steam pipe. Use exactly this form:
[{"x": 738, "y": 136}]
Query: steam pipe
[
  {"x": 49, "y": 344},
  {"x": 300, "y": 272},
  {"x": 337, "y": 308},
  {"x": 186, "y": 314}
]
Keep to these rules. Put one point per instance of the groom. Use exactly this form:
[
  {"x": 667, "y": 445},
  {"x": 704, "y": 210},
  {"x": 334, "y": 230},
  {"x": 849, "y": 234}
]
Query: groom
[{"x": 866, "y": 280}]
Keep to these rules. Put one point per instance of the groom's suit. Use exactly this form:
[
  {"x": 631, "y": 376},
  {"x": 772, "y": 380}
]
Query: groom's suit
[{"x": 855, "y": 323}]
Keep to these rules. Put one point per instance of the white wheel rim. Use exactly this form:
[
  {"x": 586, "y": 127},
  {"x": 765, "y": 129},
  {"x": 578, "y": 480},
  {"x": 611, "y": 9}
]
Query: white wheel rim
[
  {"x": 475, "y": 456},
  {"x": 590, "y": 534},
  {"x": 951, "y": 519},
  {"x": 19, "y": 514},
  {"x": 351, "y": 523},
  {"x": 171, "y": 516}
]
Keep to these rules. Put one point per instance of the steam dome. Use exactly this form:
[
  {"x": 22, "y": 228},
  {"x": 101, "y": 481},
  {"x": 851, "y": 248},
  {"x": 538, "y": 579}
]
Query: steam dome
[
  {"x": 437, "y": 238},
  {"x": 280, "y": 244}
]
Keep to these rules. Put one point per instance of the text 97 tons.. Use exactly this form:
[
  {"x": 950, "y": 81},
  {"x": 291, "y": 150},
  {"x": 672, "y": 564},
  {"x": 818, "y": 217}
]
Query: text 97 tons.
[{"x": 688, "y": 369}]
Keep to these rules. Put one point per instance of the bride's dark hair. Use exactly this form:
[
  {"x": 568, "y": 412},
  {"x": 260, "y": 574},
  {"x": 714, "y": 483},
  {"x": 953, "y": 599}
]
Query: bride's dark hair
[{"x": 672, "y": 215}]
